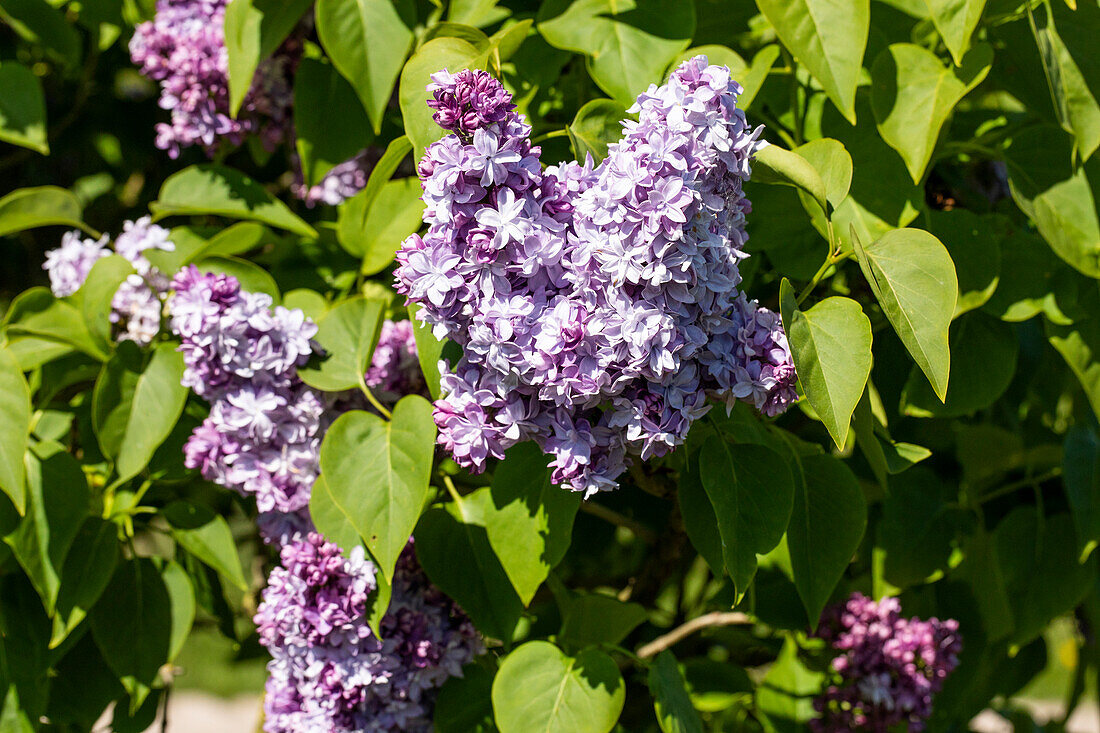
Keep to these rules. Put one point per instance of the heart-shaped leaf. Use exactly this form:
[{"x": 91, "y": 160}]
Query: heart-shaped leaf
[
  {"x": 538, "y": 687},
  {"x": 377, "y": 473}
]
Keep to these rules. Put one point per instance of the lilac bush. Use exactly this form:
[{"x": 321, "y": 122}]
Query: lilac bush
[
  {"x": 889, "y": 667},
  {"x": 597, "y": 307}
]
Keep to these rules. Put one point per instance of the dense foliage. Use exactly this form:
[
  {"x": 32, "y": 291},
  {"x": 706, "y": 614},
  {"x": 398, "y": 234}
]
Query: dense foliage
[{"x": 492, "y": 365}]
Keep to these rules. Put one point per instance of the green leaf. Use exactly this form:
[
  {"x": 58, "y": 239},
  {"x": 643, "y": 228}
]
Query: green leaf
[
  {"x": 22, "y": 108},
  {"x": 330, "y": 125},
  {"x": 1067, "y": 46},
  {"x": 917, "y": 527},
  {"x": 377, "y": 472},
  {"x": 981, "y": 569},
  {"x": 1040, "y": 561},
  {"x": 136, "y": 402},
  {"x": 87, "y": 569},
  {"x": 628, "y": 45},
  {"x": 396, "y": 213},
  {"x": 596, "y": 124},
  {"x": 181, "y": 599},
  {"x": 37, "y": 313},
  {"x": 253, "y": 30},
  {"x": 591, "y": 619},
  {"x": 428, "y": 350},
  {"x": 784, "y": 167},
  {"x": 96, "y": 295},
  {"x": 206, "y": 535},
  {"x": 465, "y": 704},
  {"x": 347, "y": 333},
  {"x": 752, "y": 492},
  {"x": 787, "y": 691},
  {"x": 326, "y": 512},
  {"x": 1059, "y": 197},
  {"x": 28, "y": 208},
  {"x": 539, "y": 688},
  {"x": 478, "y": 13},
  {"x": 1079, "y": 345},
  {"x": 221, "y": 191},
  {"x": 831, "y": 346},
  {"x": 453, "y": 547},
  {"x": 132, "y": 624},
  {"x": 913, "y": 279},
  {"x": 367, "y": 41},
  {"x": 700, "y": 522},
  {"x": 833, "y": 163},
  {"x": 827, "y": 524},
  {"x": 57, "y": 502},
  {"x": 974, "y": 248},
  {"x": 352, "y": 231},
  {"x": 956, "y": 21},
  {"x": 913, "y": 94},
  {"x": 671, "y": 702},
  {"x": 985, "y": 361},
  {"x": 826, "y": 37},
  {"x": 15, "y": 428},
  {"x": 1081, "y": 476},
  {"x": 438, "y": 53},
  {"x": 530, "y": 521}
]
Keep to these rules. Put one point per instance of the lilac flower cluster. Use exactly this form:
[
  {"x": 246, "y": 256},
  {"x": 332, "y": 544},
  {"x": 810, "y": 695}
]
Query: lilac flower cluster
[
  {"x": 889, "y": 667},
  {"x": 395, "y": 370},
  {"x": 183, "y": 48},
  {"x": 597, "y": 307},
  {"x": 138, "y": 304},
  {"x": 263, "y": 434},
  {"x": 329, "y": 673}
]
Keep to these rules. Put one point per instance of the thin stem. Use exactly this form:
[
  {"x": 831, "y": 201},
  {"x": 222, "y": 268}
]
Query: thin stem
[
  {"x": 563, "y": 132},
  {"x": 820, "y": 274},
  {"x": 795, "y": 87},
  {"x": 373, "y": 400},
  {"x": 774, "y": 125},
  {"x": 450, "y": 486},
  {"x": 1021, "y": 484},
  {"x": 706, "y": 621},
  {"x": 642, "y": 532}
]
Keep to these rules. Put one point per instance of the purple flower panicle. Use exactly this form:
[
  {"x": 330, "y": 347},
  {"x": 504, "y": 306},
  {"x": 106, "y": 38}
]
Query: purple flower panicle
[
  {"x": 395, "y": 370},
  {"x": 597, "y": 307},
  {"x": 329, "y": 673},
  {"x": 889, "y": 667}
]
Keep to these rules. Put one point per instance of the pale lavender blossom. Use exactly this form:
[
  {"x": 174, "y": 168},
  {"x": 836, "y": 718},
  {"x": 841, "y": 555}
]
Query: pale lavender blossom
[
  {"x": 69, "y": 264},
  {"x": 597, "y": 307},
  {"x": 395, "y": 369}
]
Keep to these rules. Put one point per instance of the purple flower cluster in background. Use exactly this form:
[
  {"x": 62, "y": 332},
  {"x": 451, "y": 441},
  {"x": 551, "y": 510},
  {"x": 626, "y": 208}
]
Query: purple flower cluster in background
[
  {"x": 329, "y": 673},
  {"x": 395, "y": 370},
  {"x": 263, "y": 434},
  {"x": 183, "y": 48},
  {"x": 889, "y": 666},
  {"x": 596, "y": 307},
  {"x": 138, "y": 304}
]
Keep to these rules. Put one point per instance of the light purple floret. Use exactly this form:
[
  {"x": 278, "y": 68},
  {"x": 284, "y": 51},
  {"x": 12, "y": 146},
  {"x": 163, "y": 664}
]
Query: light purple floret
[
  {"x": 890, "y": 667},
  {"x": 329, "y": 673},
  {"x": 597, "y": 307},
  {"x": 69, "y": 264}
]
